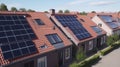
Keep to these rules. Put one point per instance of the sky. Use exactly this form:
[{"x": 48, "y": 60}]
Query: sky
[{"x": 72, "y": 5}]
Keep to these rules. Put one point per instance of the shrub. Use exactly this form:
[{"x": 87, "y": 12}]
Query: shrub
[
  {"x": 90, "y": 61},
  {"x": 106, "y": 50},
  {"x": 74, "y": 65},
  {"x": 80, "y": 55}
]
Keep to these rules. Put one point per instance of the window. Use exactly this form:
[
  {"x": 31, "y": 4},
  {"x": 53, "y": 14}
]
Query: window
[
  {"x": 97, "y": 30},
  {"x": 54, "y": 38},
  {"x": 29, "y": 64},
  {"x": 90, "y": 45},
  {"x": 42, "y": 62},
  {"x": 102, "y": 40},
  {"x": 39, "y": 22},
  {"x": 67, "y": 53}
]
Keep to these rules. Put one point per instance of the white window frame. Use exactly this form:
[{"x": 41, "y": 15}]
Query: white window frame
[
  {"x": 90, "y": 45},
  {"x": 67, "y": 53},
  {"x": 40, "y": 60}
]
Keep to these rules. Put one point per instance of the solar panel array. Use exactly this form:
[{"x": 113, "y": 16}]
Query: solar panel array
[
  {"x": 16, "y": 36},
  {"x": 74, "y": 25},
  {"x": 108, "y": 19}
]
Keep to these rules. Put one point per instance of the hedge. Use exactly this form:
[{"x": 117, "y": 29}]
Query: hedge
[
  {"x": 88, "y": 62},
  {"x": 109, "y": 49}
]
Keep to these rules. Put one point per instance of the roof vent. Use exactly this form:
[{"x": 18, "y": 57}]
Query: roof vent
[
  {"x": 52, "y": 11},
  {"x": 43, "y": 46}
]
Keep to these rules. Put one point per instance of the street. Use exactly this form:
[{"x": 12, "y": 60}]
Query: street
[{"x": 110, "y": 60}]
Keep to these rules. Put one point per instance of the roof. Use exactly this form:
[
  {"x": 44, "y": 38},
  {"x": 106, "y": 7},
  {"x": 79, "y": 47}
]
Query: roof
[
  {"x": 40, "y": 31},
  {"x": 69, "y": 31},
  {"x": 88, "y": 24},
  {"x": 113, "y": 15}
]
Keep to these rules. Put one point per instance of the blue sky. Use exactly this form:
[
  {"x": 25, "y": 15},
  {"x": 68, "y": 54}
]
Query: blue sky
[{"x": 73, "y": 5}]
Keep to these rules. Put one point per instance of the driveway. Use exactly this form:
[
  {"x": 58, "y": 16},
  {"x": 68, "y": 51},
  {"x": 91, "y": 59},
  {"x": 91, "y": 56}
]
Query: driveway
[{"x": 110, "y": 60}]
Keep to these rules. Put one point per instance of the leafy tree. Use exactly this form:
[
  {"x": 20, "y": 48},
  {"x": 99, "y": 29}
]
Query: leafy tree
[
  {"x": 80, "y": 55},
  {"x": 93, "y": 12},
  {"x": 46, "y": 12},
  {"x": 13, "y": 9},
  {"x": 115, "y": 37},
  {"x": 60, "y": 11},
  {"x": 3, "y": 7},
  {"x": 30, "y": 10},
  {"x": 110, "y": 40},
  {"x": 22, "y": 9},
  {"x": 66, "y": 11},
  {"x": 83, "y": 13}
]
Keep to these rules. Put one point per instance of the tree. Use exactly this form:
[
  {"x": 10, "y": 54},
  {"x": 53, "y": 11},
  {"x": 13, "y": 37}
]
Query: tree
[
  {"x": 83, "y": 13},
  {"x": 93, "y": 12},
  {"x": 66, "y": 11},
  {"x": 45, "y": 11},
  {"x": 110, "y": 40},
  {"x": 80, "y": 55},
  {"x": 13, "y": 9},
  {"x": 22, "y": 9},
  {"x": 3, "y": 7},
  {"x": 30, "y": 10},
  {"x": 60, "y": 11}
]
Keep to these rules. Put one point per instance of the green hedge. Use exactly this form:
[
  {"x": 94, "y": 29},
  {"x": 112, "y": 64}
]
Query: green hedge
[
  {"x": 109, "y": 49},
  {"x": 88, "y": 62}
]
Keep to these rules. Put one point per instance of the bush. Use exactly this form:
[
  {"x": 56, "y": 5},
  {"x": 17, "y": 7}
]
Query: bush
[
  {"x": 80, "y": 55},
  {"x": 90, "y": 61},
  {"x": 74, "y": 65},
  {"x": 109, "y": 49},
  {"x": 106, "y": 51}
]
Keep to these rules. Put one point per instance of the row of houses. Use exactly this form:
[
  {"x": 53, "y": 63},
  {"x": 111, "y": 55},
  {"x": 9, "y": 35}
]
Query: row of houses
[{"x": 38, "y": 39}]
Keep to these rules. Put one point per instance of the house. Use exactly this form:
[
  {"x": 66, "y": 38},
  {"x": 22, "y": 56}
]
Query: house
[
  {"x": 72, "y": 27},
  {"x": 94, "y": 29},
  {"x": 30, "y": 39},
  {"x": 106, "y": 21}
]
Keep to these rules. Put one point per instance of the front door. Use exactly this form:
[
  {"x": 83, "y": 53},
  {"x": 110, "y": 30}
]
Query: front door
[{"x": 60, "y": 57}]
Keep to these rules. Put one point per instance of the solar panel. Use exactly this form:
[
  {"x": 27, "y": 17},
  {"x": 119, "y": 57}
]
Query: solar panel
[
  {"x": 16, "y": 36},
  {"x": 108, "y": 19},
  {"x": 74, "y": 25}
]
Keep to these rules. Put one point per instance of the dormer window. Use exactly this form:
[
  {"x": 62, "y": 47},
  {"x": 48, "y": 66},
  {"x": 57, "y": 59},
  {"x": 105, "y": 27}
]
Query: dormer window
[
  {"x": 39, "y": 22},
  {"x": 54, "y": 38}
]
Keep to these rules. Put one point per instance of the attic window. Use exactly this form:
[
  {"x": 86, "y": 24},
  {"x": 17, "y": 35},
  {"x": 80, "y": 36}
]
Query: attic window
[
  {"x": 82, "y": 20},
  {"x": 39, "y": 22},
  {"x": 54, "y": 38}
]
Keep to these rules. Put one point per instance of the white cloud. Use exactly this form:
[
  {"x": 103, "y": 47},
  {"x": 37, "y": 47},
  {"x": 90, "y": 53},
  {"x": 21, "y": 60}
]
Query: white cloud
[
  {"x": 100, "y": 3},
  {"x": 76, "y": 2}
]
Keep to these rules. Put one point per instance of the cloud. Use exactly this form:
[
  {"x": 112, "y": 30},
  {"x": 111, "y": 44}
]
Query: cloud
[
  {"x": 101, "y": 3},
  {"x": 76, "y": 2}
]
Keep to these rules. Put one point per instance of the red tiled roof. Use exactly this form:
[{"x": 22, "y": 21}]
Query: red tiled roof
[
  {"x": 114, "y": 16},
  {"x": 88, "y": 23},
  {"x": 40, "y": 31},
  {"x": 79, "y": 41}
]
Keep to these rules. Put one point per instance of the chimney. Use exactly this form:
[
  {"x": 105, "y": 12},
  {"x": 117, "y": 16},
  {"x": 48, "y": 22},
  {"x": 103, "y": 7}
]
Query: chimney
[{"x": 52, "y": 11}]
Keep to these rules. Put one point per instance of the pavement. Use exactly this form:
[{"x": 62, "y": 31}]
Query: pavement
[{"x": 110, "y": 60}]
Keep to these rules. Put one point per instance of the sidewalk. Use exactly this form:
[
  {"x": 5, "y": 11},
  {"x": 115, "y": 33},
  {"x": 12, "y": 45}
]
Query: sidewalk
[{"x": 110, "y": 60}]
